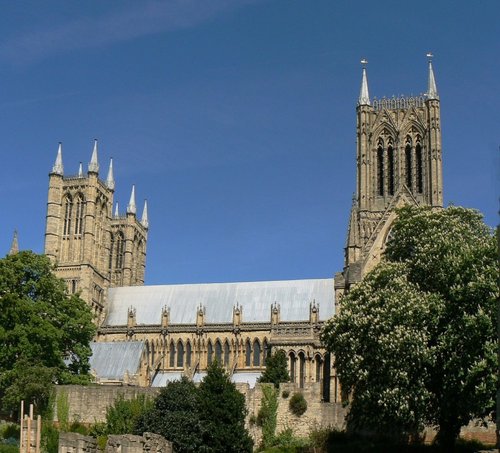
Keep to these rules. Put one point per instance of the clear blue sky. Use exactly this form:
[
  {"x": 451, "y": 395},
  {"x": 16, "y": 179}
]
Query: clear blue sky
[{"x": 236, "y": 118}]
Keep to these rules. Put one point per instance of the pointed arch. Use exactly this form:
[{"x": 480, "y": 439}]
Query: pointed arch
[
  {"x": 319, "y": 366},
  {"x": 248, "y": 353},
  {"x": 292, "y": 359},
  {"x": 180, "y": 354},
  {"x": 218, "y": 351},
  {"x": 390, "y": 170},
  {"x": 408, "y": 162},
  {"x": 419, "y": 166},
  {"x": 68, "y": 213},
  {"x": 188, "y": 353},
  {"x": 226, "y": 353},
  {"x": 171, "y": 353},
  {"x": 210, "y": 353},
  {"x": 256, "y": 352},
  {"x": 120, "y": 250},
  {"x": 79, "y": 208},
  {"x": 265, "y": 350},
  {"x": 302, "y": 369},
  {"x": 380, "y": 171}
]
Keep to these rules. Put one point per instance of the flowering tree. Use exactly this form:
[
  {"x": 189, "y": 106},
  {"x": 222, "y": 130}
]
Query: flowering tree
[{"x": 415, "y": 341}]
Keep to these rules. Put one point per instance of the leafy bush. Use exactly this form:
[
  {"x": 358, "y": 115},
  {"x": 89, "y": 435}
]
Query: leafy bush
[
  {"x": 123, "y": 417},
  {"x": 50, "y": 438},
  {"x": 285, "y": 394},
  {"x": 298, "y": 404},
  {"x": 276, "y": 369},
  {"x": 9, "y": 448},
  {"x": 9, "y": 431}
]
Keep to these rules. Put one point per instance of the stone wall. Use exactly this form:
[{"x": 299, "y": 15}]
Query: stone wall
[
  {"x": 127, "y": 443},
  {"x": 88, "y": 404}
]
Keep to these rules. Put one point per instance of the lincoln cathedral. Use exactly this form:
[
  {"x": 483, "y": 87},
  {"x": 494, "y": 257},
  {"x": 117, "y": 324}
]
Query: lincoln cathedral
[{"x": 150, "y": 335}]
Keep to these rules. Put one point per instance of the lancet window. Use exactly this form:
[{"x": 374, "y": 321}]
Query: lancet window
[
  {"x": 210, "y": 353},
  {"x": 120, "y": 248},
  {"x": 68, "y": 211},
  {"x": 188, "y": 354},
  {"x": 390, "y": 169},
  {"x": 419, "y": 163},
  {"x": 408, "y": 163},
  {"x": 79, "y": 214},
  {"x": 171, "y": 354},
  {"x": 248, "y": 353},
  {"x": 180, "y": 354},
  {"x": 292, "y": 360},
  {"x": 218, "y": 352},
  {"x": 256, "y": 353},
  {"x": 302, "y": 369},
  {"x": 226, "y": 353},
  {"x": 380, "y": 170}
]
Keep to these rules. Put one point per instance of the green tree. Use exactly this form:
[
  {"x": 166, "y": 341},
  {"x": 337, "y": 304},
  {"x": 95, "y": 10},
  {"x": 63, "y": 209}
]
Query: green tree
[
  {"x": 222, "y": 413},
  {"x": 276, "y": 369},
  {"x": 44, "y": 332},
  {"x": 415, "y": 341},
  {"x": 124, "y": 415},
  {"x": 175, "y": 415}
]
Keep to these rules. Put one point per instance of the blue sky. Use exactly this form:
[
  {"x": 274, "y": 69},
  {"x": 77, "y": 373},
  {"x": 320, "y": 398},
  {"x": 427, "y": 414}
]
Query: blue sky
[{"x": 236, "y": 118}]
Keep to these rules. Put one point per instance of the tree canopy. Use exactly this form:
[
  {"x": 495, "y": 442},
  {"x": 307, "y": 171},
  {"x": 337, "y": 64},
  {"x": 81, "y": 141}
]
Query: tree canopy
[
  {"x": 208, "y": 418},
  {"x": 44, "y": 332},
  {"x": 276, "y": 369},
  {"x": 415, "y": 341}
]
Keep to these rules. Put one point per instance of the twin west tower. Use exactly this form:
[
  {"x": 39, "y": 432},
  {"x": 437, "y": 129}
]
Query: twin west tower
[{"x": 93, "y": 248}]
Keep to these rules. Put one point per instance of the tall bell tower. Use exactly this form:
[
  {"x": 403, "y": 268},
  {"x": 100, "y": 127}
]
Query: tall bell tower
[
  {"x": 92, "y": 247},
  {"x": 398, "y": 162}
]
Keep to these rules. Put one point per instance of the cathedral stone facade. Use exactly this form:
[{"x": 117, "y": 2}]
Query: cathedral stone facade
[{"x": 150, "y": 335}]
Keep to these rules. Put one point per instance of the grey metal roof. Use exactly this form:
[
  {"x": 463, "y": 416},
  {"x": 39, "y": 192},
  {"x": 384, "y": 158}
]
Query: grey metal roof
[
  {"x": 293, "y": 296},
  {"x": 249, "y": 378},
  {"x": 163, "y": 378},
  {"x": 112, "y": 360}
]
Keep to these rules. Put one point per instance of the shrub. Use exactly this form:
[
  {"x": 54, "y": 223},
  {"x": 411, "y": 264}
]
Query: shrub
[
  {"x": 266, "y": 417},
  {"x": 298, "y": 404},
  {"x": 285, "y": 394}
]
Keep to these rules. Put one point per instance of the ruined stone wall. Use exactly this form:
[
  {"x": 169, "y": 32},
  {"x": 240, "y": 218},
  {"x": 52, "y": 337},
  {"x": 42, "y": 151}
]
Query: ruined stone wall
[{"x": 127, "y": 443}]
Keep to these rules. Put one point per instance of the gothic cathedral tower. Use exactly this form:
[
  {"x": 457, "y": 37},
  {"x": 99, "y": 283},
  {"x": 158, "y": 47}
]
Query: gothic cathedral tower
[
  {"x": 91, "y": 247},
  {"x": 398, "y": 161}
]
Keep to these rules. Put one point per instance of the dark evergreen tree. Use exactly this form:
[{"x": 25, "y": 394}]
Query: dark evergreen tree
[
  {"x": 222, "y": 413},
  {"x": 276, "y": 369},
  {"x": 176, "y": 417}
]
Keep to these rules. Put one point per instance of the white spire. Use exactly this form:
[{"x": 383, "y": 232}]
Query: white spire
[
  {"x": 80, "y": 170},
  {"x": 94, "y": 165},
  {"x": 364, "y": 96},
  {"x": 117, "y": 213},
  {"x": 144, "y": 219},
  {"x": 58, "y": 168},
  {"x": 110, "y": 180},
  {"x": 131, "y": 209},
  {"x": 432, "y": 92}
]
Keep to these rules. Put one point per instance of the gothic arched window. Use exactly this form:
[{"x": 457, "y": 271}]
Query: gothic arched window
[
  {"x": 180, "y": 354},
  {"x": 265, "y": 350},
  {"x": 319, "y": 365},
  {"x": 420, "y": 173},
  {"x": 172, "y": 355},
  {"x": 256, "y": 353},
  {"x": 408, "y": 162},
  {"x": 226, "y": 353},
  {"x": 302, "y": 369},
  {"x": 248, "y": 353},
  {"x": 380, "y": 171},
  {"x": 188, "y": 354},
  {"x": 210, "y": 353},
  {"x": 68, "y": 210},
  {"x": 120, "y": 248},
  {"x": 390, "y": 169},
  {"x": 79, "y": 214},
  {"x": 218, "y": 352},
  {"x": 111, "y": 248},
  {"x": 292, "y": 366}
]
